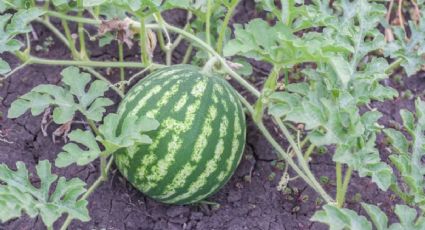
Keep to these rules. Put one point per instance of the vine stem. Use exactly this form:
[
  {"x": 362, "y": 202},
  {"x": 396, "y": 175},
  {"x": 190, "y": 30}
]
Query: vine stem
[
  {"x": 81, "y": 35},
  {"x": 209, "y": 49},
  {"x": 144, "y": 42},
  {"x": 92, "y": 188},
  {"x": 93, "y": 126},
  {"x": 121, "y": 59},
  {"x": 169, "y": 51},
  {"x": 285, "y": 155},
  {"x": 223, "y": 28},
  {"x": 46, "y": 22},
  {"x": 208, "y": 22},
  {"x": 163, "y": 26},
  {"x": 309, "y": 152},
  {"x": 347, "y": 178},
  {"x": 71, "y": 42},
  {"x": 14, "y": 70},
  {"x": 90, "y": 63},
  {"x": 187, "y": 55},
  {"x": 54, "y": 30},
  {"x": 338, "y": 172},
  {"x": 300, "y": 157},
  {"x": 101, "y": 77},
  {"x": 342, "y": 186},
  {"x": 394, "y": 65}
]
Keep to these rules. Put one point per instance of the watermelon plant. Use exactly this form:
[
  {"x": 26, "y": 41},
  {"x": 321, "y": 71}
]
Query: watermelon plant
[{"x": 179, "y": 133}]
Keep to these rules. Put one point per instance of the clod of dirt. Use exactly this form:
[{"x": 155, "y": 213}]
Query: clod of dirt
[
  {"x": 175, "y": 211},
  {"x": 234, "y": 196}
]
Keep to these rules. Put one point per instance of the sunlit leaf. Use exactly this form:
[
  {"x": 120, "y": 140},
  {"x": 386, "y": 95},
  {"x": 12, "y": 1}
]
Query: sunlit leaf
[
  {"x": 73, "y": 153},
  {"x": 341, "y": 218},
  {"x": 67, "y": 100},
  {"x": 17, "y": 195}
]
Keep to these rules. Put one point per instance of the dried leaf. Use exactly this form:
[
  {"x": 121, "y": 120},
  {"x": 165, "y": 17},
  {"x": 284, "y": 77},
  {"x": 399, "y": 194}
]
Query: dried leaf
[
  {"x": 152, "y": 41},
  {"x": 124, "y": 34},
  {"x": 46, "y": 120},
  {"x": 62, "y": 131}
]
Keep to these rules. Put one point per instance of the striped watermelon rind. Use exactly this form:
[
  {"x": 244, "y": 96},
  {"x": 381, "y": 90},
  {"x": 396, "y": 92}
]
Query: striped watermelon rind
[{"x": 199, "y": 142}]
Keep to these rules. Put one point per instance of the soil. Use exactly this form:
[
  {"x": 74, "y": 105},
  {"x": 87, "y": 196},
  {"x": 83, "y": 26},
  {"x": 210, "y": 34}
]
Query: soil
[{"x": 249, "y": 201}]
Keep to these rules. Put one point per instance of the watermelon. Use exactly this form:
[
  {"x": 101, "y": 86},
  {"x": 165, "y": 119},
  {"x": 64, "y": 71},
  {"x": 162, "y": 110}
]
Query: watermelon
[{"x": 199, "y": 142}]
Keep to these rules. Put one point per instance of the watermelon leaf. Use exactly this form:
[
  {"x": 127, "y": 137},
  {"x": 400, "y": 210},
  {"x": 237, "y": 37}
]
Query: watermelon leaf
[
  {"x": 19, "y": 195},
  {"x": 412, "y": 50},
  {"x": 378, "y": 217},
  {"x": 341, "y": 218},
  {"x": 4, "y": 67},
  {"x": 332, "y": 117},
  {"x": 408, "y": 217},
  {"x": 74, "y": 154},
  {"x": 67, "y": 100},
  {"x": 133, "y": 129},
  {"x": 12, "y": 25},
  {"x": 409, "y": 163},
  {"x": 280, "y": 47}
]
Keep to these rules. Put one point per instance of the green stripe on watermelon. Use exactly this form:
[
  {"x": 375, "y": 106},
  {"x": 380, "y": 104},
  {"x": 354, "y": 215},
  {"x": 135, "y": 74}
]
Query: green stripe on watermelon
[{"x": 171, "y": 170}]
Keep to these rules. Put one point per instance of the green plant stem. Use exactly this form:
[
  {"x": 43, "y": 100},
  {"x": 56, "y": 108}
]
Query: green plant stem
[
  {"x": 101, "y": 77},
  {"x": 73, "y": 18},
  {"x": 300, "y": 156},
  {"x": 347, "y": 178},
  {"x": 208, "y": 22},
  {"x": 394, "y": 65},
  {"x": 46, "y": 22},
  {"x": 90, "y": 63},
  {"x": 168, "y": 57},
  {"x": 14, "y": 71},
  {"x": 28, "y": 43},
  {"x": 93, "y": 187},
  {"x": 54, "y": 30},
  {"x": 69, "y": 38},
  {"x": 161, "y": 25},
  {"x": 161, "y": 42},
  {"x": 195, "y": 39},
  {"x": 187, "y": 54},
  {"x": 396, "y": 189},
  {"x": 170, "y": 50},
  {"x": 223, "y": 28},
  {"x": 338, "y": 173},
  {"x": 103, "y": 171},
  {"x": 342, "y": 186},
  {"x": 309, "y": 151},
  {"x": 285, "y": 155},
  {"x": 81, "y": 35},
  {"x": 121, "y": 59},
  {"x": 144, "y": 43},
  {"x": 93, "y": 126},
  {"x": 209, "y": 49},
  {"x": 97, "y": 11}
]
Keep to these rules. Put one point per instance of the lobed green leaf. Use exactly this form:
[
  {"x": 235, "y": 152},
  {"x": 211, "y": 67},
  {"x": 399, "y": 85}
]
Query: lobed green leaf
[
  {"x": 341, "y": 218},
  {"x": 17, "y": 195},
  {"x": 67, "y": 100}
]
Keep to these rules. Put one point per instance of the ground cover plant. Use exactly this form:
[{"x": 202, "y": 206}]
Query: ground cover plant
[{"x": 327, "y": 64}]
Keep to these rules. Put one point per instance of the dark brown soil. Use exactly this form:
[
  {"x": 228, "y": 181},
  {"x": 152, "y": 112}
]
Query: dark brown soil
[{"x": 249, "y": 201}]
